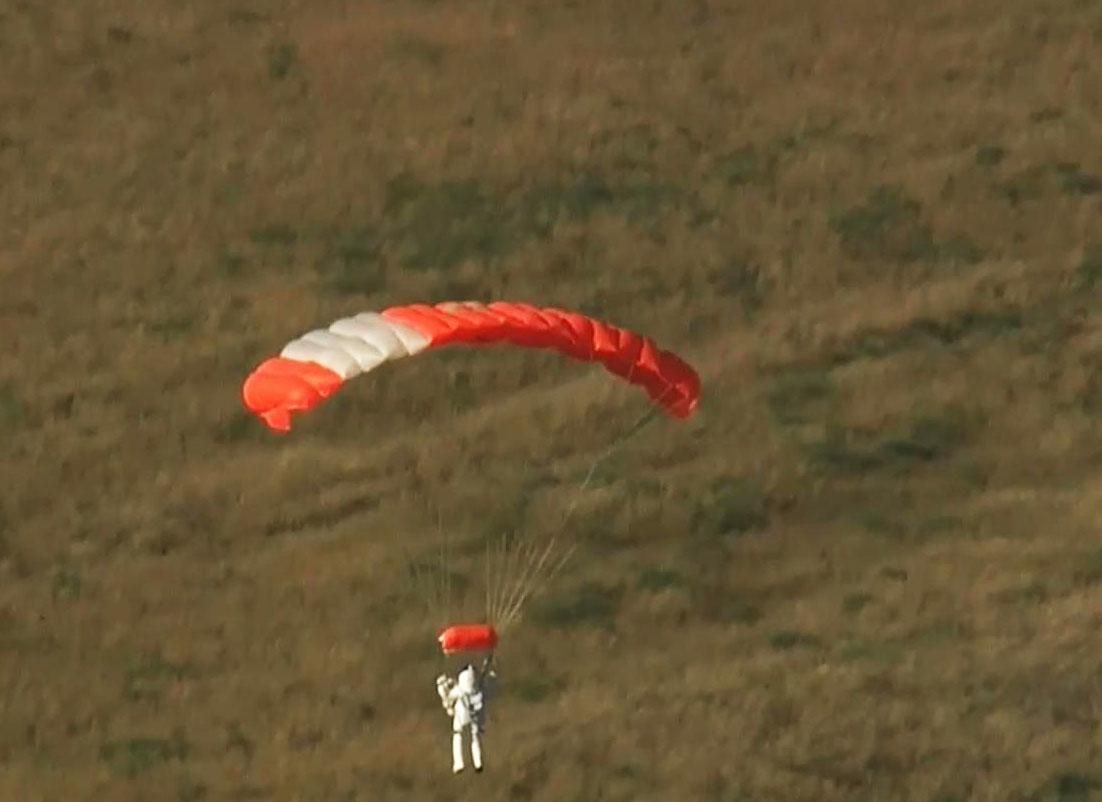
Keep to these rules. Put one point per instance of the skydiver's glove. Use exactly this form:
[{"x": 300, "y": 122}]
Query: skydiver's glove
[{"x": 443, "y": 687}]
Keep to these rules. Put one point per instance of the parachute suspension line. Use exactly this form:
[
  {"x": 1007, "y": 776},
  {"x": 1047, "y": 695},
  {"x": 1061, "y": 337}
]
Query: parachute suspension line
[
  {"x": 640, "y": 423},
  {"x": 430, "y": 583},
  {"x": 445, "y": 566},
  {"x": 443, "y": 576},
  {"x": 426, "y": 581},
  {"x": 486, "y": 583},
  {"x": 495, "y": 558},
  {"x": 514, "y": 560},
  {"x": 525, "y": 559},
  {"x": 535, "y": 571},
  {"x": 497, "y": 564},
  {"x": 535, "y": 579}
]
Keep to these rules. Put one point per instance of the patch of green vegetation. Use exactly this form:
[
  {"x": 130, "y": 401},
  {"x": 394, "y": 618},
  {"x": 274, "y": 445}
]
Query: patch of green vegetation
[
  {"x": 443, "y": 224},
  {"x": 277, "y": 234},
  {"x": 957, "y": 249},
  {"x": 13, "y": 413},
  {"x": 743, "y": 280},
  {"x": 800, "y": 395},
  {"x": 245, "y": 16},
  {"x": 134, "y": 756},
  {"x": 439, "y": 225},
  {"x": 119, "y": 35},
  {"x": 418, "y": 49},
  {"x": 328, "y": 516},
  {"x": 655, "y": 579},
  {"x": 1068, "y": 786},
  {"x": 1031, "y": 183},
  {"x": 871, "y": 651},
  {"x": 147, "y": 678},
  {"x": 282, "y": 58},
  {"x": 894, "y": 573},
  {"x": 174, "y": 326},
  {"x": 1024, "y": 186},
  {"x": 631, "y": 148},
  {"x": 716, "y": 603},
  {"x": 435, "y": 226},
  {"x": 1088, "y": 570},
  {"x": 67, "y": 583},
  {"x": 305, "y": 739},
  {"x": 818, "y": 132},
  {"x": 431, "y": 578},
  {"x": 231, "y": 264},
  {"x": 534, "y": 689},
  {"x": 732, "y": 505},
  {"x": 592, "y": 604},
  {"x": 937, "y": 634},
  {"x": 747, "y": 165},
  {"x": 236, "y": 427},
  {"x": 504, "y": 523},
  {"x": 249, "y": 792},
  {"x": 889, "y": 226},
  {"x": 1074, "y": 181},
  {"x": 887, "y": 522},
  {"x": 1047, "y": 114},
  {"x": 191, "y": 790},
  {"x": 891, "y": 650},
  {"x": 881, "y": 522},
  {"x": 544, "y": 204},
  {"x": 352, "y": 263},
  {"x": 990, "y": 155},
  {"x": 857, "y": 601},
  {"x": 1089, "y": 272},
  {"x": 741, "y": 612},
  {"x": 924, "y": 332},
  {"x": 1031, "y": 593},
  {"x": 641, "y": 202},
  {"x": 788, "y": 639},
  {"x": 925, "y": 439},
  {"x": 238, "y": 741},
  {"x": 843, "y": 450},
  {"x": 938, "y": 524},
  {"x": 273, "y": 245}
]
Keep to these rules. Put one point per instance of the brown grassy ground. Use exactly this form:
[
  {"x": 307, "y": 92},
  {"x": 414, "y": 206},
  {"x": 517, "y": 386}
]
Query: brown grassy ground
[{"x": 869, "y": 569}]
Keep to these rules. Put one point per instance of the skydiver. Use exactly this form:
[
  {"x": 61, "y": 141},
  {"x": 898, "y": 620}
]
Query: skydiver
[{"x": 464, "y": 699}]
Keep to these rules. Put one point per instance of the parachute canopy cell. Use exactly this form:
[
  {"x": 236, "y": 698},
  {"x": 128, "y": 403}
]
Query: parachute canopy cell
[
  {"x": 467, "y": 638},
  {"x": 312, "y": 367}
]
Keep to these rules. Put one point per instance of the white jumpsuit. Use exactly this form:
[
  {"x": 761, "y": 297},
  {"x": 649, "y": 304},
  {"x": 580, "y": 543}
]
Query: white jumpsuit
[{"x": 464, "y": 702}]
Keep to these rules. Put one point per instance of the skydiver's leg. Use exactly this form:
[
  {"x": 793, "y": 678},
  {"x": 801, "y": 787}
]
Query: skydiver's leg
[
  {"x": 476, "y": 747},
  {"x": 457, "y": 751}
]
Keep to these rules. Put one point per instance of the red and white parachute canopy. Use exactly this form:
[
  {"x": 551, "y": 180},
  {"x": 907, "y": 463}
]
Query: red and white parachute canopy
[{"x": 314, "y": 366}]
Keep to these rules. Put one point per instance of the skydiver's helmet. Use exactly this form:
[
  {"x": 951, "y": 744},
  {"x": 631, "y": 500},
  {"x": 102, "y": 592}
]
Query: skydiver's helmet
[{"x": 466, "y": 679}]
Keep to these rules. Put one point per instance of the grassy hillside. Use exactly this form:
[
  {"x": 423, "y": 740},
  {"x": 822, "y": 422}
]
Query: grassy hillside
[{"x": 868, "y": 569}]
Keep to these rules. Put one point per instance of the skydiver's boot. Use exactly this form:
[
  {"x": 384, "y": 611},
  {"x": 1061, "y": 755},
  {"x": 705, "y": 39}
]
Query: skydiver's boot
[
  {"x": 476, "y": 750},
  {"x": 457, "y": 752}
]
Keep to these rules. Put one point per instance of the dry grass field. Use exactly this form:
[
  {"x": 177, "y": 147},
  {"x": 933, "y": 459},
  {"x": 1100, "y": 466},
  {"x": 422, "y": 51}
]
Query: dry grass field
[{"x": 869, "y": 569}]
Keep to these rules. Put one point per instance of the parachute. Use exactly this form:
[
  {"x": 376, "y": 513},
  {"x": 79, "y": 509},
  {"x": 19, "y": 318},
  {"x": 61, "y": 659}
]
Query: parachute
[
  {"x": 314, "y": 366},
  {"x": 467, "y": 638}
]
